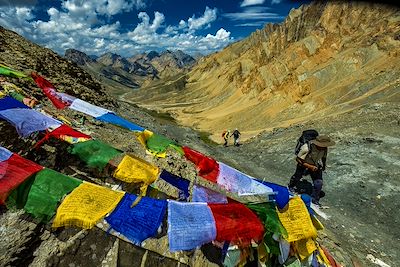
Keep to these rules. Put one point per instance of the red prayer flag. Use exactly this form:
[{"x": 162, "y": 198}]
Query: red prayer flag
[
  {"x": 208, "y": 168},
  {"x": 49, "y": 90},
  {"x": 237, "y": 224},
  {"x": 62, "y": 130},
  {"x": 15, "y": 171}
]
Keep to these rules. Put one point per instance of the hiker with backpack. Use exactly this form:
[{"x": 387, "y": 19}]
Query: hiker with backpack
[
  {"x": 225, "y": 135},
  {"x": 311, "y": 153},
  {"x": 236, "y": 134}
]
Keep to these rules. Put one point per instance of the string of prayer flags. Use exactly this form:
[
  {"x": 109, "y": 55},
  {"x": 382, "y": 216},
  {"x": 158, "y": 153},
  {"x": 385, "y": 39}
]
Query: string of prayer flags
[
  {"x": 117, "y": 120},
  {"x": 46, "y": 192},
  {"x": 203, "y": 194},
  {"x": 4, "y": 70},
  {"x": 189, "y": 225},
  {"x": 86, "y": 205},
  {"x": 140, "y": 222},
  {"x": 63, "y": 132},
  {"x": 296, "y": 220},
  {"x": 207, "y": 167},
  {"x": 15, "y": 170},
  {"x": 235, "y": 181},
  {"x": 94, "y": 153},
  {"x": 178, "y": 182},
  {"x": 28, "y": 121},
  {"x": 237, "y": 224},
  {"x": 49, "y": 90}
]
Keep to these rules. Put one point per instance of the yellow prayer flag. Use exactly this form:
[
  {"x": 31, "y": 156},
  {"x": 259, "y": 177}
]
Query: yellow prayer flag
[
  {"x": 317, "y": 223},
  {"x": 135, "y": 170},
  {"x": 2, "y": 94},
  {"x": 143, "y": 137},
  {"x": 305, "y": 248},
  {"x": 86, "y": 205},
  {"x": 296, "y": 220}
]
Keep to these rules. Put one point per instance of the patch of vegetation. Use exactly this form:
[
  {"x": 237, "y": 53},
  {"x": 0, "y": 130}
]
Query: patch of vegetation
[
  {"x": 163, "y": 116},
  {"x": 204, "y": 136}
]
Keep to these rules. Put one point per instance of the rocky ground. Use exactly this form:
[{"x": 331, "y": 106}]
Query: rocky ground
[{"x": 362, "y": 183}]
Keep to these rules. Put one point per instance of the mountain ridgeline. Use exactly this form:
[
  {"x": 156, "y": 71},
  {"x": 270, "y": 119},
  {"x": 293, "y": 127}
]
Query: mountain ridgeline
[
  {"x": 324, "y": 59},
  {"x": 135, "y": 71}
]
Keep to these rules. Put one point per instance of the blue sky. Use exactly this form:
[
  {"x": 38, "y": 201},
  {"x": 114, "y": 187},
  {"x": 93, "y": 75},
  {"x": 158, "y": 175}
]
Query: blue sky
[{"x": 128, "y": 27}]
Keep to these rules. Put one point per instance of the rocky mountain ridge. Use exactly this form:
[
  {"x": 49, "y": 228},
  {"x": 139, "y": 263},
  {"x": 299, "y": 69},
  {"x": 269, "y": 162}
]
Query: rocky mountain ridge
[{"x": 134, "y": 71}]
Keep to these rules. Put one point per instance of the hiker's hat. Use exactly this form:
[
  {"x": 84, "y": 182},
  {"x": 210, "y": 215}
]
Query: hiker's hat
[{"x": 323, "y": 141}]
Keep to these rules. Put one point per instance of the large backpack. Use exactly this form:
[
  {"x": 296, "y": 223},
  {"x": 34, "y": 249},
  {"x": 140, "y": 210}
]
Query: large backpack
[
  {"x": 223, "y": 134},
  {"x": 305, "y": 138}
]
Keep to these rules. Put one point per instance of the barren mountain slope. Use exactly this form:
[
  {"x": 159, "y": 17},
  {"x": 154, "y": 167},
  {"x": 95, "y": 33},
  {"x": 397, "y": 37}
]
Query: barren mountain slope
[{"x": 324, "y": 59}]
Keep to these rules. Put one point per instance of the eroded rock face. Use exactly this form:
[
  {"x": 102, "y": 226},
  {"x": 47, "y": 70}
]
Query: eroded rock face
[{"x": 325, "y": 58}]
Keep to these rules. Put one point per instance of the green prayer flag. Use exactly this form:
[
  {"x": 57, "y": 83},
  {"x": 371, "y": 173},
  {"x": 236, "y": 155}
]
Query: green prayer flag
[
  {"x": 10, "y": 72},
  {"x": 267, "y": 214},
  {"x": 46, "y": 192},
  {"x": 94, "y": 153},
  {"x": 17, "y": 198},
  {"x": 17, "y": 96},
  {"x": 158, "y": 143}
]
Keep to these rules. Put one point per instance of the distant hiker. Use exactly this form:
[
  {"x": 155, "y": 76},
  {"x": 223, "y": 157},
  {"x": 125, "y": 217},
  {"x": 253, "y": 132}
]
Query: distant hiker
[
  {"x": 225, "y": 135},
  {"x": 236, "y": 134},
  {"x": 311, "y": 159}
]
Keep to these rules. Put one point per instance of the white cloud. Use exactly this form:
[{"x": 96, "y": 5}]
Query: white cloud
[
  {"x": 252, "y": 2},
  {"x": 254, "y": 13},
  {"x": 78, "y": 24},
  {"x": 145, "y": 32},
  {"x": 101, "y": 7},
  {"x": 251, "y": 24},
  {"x": 209, "y": 16}
]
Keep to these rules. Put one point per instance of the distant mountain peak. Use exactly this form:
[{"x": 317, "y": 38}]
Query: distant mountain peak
[{"x": 77, "y": 57}]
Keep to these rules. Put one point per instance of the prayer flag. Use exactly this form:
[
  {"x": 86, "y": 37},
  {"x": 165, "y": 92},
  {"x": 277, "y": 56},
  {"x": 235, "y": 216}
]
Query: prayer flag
[
  {"x": 49, "y": 90},
  {"x": 296, "y": 220},
  {"x": 237, "y": 224},
  {"x": 207, "y": 167},
  {"x": 15, "y": 171},
  {"x": 94, "y": 153},
  {"x": 189, "y": 225},
  {"x": 136, "y": 170},
  {"x": 86, "y": 205},
  {"x": 28, "y": 121},
  {"x": 139, "y": 222},
  {"x": 117, "y": 120}
]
